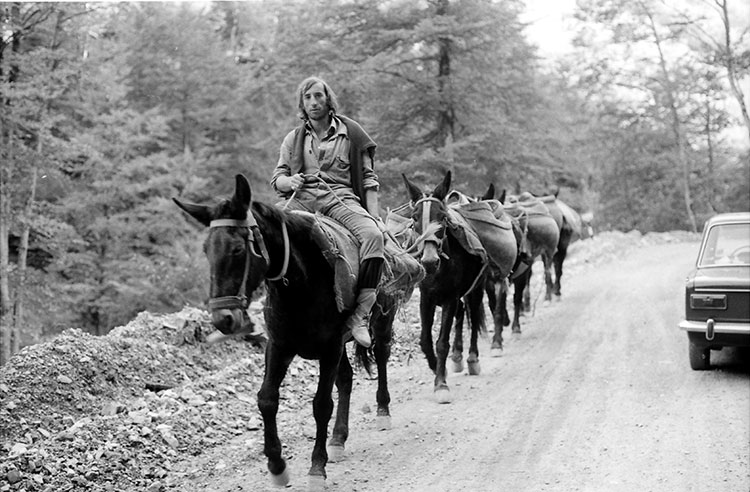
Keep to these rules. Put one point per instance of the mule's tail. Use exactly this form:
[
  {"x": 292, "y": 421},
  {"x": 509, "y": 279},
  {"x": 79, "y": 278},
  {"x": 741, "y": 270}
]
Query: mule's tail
[
  {"x": 477, "y": 317},
  {"x": 364, "y": 357}
]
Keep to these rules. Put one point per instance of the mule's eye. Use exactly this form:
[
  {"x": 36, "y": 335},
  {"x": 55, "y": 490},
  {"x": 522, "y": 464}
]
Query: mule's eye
[{"x": 238, "y": 250}]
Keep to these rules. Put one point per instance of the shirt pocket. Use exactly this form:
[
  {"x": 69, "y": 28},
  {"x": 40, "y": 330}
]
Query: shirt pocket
[{"x": 341, "y": 162}]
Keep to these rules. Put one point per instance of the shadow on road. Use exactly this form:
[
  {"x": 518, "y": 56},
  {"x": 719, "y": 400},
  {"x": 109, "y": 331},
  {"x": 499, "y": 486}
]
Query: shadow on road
[{"x": 735, "y": 360}]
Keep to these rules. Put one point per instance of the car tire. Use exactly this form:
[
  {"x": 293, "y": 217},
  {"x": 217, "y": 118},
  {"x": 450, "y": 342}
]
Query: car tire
[{"x": 700, "y": 357}]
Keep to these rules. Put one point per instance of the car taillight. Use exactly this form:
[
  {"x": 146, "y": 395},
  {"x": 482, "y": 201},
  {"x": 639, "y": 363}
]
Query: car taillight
[{"x": 708, "y": 301}]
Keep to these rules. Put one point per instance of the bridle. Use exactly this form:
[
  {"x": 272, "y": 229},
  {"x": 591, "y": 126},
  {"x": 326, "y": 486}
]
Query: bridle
[
  {"x": 254, "y": 240},
  {"x": 427, "y": 233},
  {"x": 430, "y": 234}
]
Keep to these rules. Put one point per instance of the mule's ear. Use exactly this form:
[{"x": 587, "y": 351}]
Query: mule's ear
[
  {"x": 442, "y": 189},
  {"x": 242, "y": 193},
  {"x": 201, "y": 213},
  {"x": 502, "y": 197},
  {"x": 414, "y": 192},
  {"x": 490, "y": 194}
]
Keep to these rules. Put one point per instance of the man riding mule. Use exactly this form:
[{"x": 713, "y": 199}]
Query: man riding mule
[
  {"x": 326, "y": 166},
  {"x": 249, "y": 245}
]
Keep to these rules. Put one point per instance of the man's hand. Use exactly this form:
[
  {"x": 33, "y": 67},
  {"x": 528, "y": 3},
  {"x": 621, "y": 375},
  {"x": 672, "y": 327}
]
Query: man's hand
[{"x": 286, "y": 184}]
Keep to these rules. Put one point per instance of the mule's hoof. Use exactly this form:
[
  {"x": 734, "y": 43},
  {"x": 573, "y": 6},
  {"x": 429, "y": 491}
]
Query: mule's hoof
[
  {"x": 316, "y": 483},
  {"x": 282, "y": 479},
  {"x": 443, "y": 395},
  {"x": 458, "y": 366},
  {"x": 474, "y": 368},
  {"x": 516, "y": 331},
  {"x": 383, "y": 422},
  {"x": 496, "y": 352},
  {"x": 335, "y": 453}
]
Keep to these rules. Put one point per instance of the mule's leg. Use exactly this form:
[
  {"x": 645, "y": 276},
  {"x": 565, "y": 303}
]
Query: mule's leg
[
  {"x": 558, "y": 259},
  {"x": 527, "y": 294},
  {"x": 442, "y": 345},
  {"x": 277, "y": 363},
  {"x": 496, "y": 300},
  {"x": 341, "y": 426},
  {"x": 322, "y": 411},
  {"x": 457, "y": 353},
  {"x": 382, "y": 328},
  {"x": 427, "y": 315},
  {"x": 549, "y": 285},
  {"x": 520, "y": 288},
  {"x": 476, "y": 322}
]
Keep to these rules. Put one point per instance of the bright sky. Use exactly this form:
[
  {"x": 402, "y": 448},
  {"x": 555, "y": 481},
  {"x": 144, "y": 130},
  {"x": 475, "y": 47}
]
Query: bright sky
[{"x": 549, "y": 25}]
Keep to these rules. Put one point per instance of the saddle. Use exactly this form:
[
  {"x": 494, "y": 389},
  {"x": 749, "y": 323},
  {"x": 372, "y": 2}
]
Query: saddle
[
  {"x": 481, "y": 230},
  {"x": 530, "y": 204},
  {"x": 401, "y": 272}
]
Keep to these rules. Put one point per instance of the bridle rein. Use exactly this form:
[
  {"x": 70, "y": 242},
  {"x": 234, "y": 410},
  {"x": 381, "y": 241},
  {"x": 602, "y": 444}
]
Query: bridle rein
[{"x": 254, "y": 241}]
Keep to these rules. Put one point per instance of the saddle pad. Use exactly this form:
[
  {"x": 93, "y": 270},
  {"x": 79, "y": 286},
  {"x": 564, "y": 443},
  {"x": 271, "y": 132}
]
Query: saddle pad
[
  {"x": 494, "y": 230},
  {"x": 532, "y": 204},
  {"x": 483, "y": 212},
  {"x": 401, "y": 271},
  {"x": 341, "y": 250},
  {"x": 465, "y": 234}
]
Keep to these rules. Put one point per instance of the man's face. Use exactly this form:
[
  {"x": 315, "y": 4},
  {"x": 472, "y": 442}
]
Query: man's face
[{"x": 316, "y": 102}]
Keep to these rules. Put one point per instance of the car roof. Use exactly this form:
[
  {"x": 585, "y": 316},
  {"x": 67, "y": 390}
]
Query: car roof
[{"x": 727, "y": 218}]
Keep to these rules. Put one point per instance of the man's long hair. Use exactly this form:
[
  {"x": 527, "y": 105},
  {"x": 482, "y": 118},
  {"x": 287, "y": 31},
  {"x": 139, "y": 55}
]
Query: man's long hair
[{"x": 331, "y": 99}]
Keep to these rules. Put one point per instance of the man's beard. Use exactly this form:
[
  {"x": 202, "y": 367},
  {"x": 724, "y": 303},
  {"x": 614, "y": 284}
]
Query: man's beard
[{"x": 321, "y": 115}]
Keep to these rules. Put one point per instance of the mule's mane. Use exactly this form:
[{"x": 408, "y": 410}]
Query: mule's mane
[{"x": 296, "y": 223}]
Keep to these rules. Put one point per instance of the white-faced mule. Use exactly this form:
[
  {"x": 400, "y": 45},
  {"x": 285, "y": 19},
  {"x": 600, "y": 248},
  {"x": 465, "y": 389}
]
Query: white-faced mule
[{"x": 251, "y": 243}]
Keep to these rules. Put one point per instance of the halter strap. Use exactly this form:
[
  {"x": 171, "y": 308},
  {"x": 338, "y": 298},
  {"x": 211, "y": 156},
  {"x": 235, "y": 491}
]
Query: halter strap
[
  {"x": 426, "y": 212},
  {"x": 240, "y": 300},
  {"x": 257, "y": 237}
]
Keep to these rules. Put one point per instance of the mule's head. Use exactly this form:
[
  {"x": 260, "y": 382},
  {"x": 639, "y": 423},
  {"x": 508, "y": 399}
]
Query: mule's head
[
  {"x": 237, "y": 256},
  {"x": 429, "y": 214}
]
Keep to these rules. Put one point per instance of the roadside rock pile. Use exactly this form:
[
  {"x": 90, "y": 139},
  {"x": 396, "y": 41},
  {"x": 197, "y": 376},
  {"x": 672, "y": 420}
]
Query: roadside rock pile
[{"x": 122, "y": 412}]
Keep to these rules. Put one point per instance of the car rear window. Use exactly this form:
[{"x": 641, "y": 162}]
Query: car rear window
[{"x": 727, "y": 244}]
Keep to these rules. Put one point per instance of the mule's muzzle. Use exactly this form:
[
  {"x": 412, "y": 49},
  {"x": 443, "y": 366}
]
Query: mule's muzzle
[
  {"x": 430, "y": 257},
  {"x": 232, "y": 321}
]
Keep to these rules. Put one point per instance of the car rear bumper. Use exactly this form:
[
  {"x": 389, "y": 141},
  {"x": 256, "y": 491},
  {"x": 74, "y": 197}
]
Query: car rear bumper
[
  {"x": 717, "y": 334},
  {"x": 718, "y": 327}
]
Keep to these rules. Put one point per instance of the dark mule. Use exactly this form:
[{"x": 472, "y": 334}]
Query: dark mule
[
  {"x": 572, "y": 229},
  {"x": 453, "y": 274},
  {"x": 249, "y": 243},
  {"x": 542, "y": 234},
  {"x": 496, "y": 285}
]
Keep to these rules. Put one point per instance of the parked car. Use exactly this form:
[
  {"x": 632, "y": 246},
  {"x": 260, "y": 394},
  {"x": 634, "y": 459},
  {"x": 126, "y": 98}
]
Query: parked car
[{"x": 717, "y": 291}]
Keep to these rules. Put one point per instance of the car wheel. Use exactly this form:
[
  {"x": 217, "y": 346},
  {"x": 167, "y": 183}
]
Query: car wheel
[{"x": 700, "y": 357}]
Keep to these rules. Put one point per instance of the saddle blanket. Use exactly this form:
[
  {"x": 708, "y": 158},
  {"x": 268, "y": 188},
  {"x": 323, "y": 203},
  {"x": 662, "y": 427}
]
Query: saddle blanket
[
  {"x": 531, "y": 204},
  {"x": 401, "y": 271},
  {"x": 483, "y": 232}
]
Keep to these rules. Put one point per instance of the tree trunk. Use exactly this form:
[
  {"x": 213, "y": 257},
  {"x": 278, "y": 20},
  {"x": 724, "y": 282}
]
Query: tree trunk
[
  {"x": 446, "y": 112},
  {"x": 6, "y": 312},
  {"x": 710, "y": 164},
  {"x": 23, "y": 253},
  {"x": 729, "y": 63},
  {"x": 675, "y": 125}
]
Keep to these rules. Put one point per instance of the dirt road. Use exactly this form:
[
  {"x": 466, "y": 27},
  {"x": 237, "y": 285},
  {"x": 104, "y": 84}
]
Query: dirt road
[{"x": 596, "y": 394}]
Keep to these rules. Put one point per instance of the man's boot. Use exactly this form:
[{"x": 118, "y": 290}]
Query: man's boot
[{"x": 357, "y": 320}]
